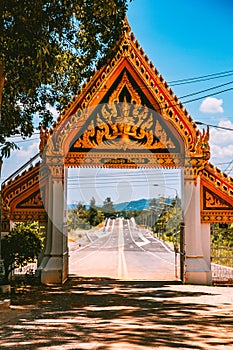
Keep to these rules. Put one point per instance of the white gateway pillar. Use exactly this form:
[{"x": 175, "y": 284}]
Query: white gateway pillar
[
  {"x": 197, "y": 237},
  {"x": 55, "y": 270}
]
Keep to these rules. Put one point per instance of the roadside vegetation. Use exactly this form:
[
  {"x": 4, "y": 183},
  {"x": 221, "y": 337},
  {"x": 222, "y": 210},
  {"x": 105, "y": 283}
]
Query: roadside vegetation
[
  {"x": 21, "y": 247},
  {"x": 222, "y": 244},
  {"x": 162, "y": 217},
  {"x": 47, "y": 49}
]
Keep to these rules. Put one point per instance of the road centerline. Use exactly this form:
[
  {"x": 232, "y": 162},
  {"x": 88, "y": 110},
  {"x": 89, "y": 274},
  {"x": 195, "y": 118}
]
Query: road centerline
[{"x": 122, "y": 266}]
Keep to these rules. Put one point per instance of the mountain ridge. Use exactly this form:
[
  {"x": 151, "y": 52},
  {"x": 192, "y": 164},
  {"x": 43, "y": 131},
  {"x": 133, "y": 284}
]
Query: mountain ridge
[{"x": 135, "y": 205}]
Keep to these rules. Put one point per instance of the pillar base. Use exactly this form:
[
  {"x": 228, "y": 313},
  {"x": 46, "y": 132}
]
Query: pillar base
[
  {"x": 55, "y": 271},
  {"x": 197, "y": 277},
  {"x": 198, "y": 271}
]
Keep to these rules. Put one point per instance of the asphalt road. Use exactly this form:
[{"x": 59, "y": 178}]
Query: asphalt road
[{"x": 122, "y": 251}]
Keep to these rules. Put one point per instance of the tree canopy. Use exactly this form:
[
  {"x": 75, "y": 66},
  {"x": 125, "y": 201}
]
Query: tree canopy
[
  {"x": 47, "y": 48},
  {"x": 108, "y": 208},
  {"x": 21, "y": 246}
]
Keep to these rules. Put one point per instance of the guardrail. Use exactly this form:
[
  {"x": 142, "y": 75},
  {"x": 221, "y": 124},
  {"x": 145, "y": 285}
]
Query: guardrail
[{"x": 222, "y": 264}]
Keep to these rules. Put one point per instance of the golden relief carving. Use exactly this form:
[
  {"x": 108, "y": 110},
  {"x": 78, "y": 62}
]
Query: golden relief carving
[
  {"x": 27, "y": 181},
  {"x": 125, "y": 83},
  {"x": 201, "y": 148},
  {"x": 35, "y": 201},
  {"x": 215, "y": 176},
  {"x": 213, "y": 201},
  {"x": 126, "y": 115},
  {"x": 125, "y": 126}
]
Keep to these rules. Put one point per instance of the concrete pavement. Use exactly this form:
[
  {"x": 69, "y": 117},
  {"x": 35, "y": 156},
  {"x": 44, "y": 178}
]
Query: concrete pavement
[
  {"x": 111, "y": 314},
  {"x": 124, "y": 252}
]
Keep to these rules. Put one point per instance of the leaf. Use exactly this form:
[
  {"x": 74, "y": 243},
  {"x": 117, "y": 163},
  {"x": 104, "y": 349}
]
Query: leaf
[{"x": 51, "y": 46}]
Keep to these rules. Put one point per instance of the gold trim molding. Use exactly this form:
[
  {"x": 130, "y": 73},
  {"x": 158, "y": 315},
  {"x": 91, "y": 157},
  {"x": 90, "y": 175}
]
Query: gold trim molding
[{"x": 123, "y": 160}]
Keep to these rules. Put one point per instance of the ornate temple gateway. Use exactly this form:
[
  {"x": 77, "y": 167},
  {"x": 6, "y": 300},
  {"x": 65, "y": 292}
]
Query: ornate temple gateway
[{"x": 125, "y": 116}]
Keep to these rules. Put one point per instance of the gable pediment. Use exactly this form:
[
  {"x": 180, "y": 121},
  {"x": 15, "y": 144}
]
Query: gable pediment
[
  {"x": 126, "y": 120},
  {"x": 216, "y": 196},
  {"x": 33, "y": 201},
  {"x": 213, "y": 201},
  {"x": 130, "y": 78},
  {"x": 126, "y": 126}
]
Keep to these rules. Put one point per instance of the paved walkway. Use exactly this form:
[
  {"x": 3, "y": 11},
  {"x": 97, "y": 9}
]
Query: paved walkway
[{"x": 108, "y": 315}]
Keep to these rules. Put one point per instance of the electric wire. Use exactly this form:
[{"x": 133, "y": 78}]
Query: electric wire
[
  {"x": 200, "y": 77},
  {"x": 197, "y": 98},
  {"x": 105, "y": 183},
  {"x": 200, "y": 80},
  {"x": 201, "y": 91},
  {"x": 214, "y": 126},
  {"x": 195, "y": 79},
  {"x": 230, "y": 165}
]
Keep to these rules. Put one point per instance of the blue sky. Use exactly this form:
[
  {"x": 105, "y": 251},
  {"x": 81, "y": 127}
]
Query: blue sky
[
  {"x": 187, "y": 39},
  {"x": 184, "y": 39}
]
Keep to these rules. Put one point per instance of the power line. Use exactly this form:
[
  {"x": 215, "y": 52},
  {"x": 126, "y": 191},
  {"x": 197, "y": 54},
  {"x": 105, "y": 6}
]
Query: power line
[
  {"x": 214, "y": 126},
  {"x": 132, "y": 172},
  {"x": 201, "y": 77},
  {"x": 222, "y": 163},
  {"x": 198, "y": 98},
  {"x": 200, "y": 80},
  {"x": 212, "y": 88},
  {"x": 213, "y": 75},
  {"x": 77, "y": 187},
  {"x": 230, "y": 165},
  {"x": 113, "y": 183},
  {"x": 16, "y": 136},
  {"x": 19, "y": 136},
  {"x": 140, "y": 87}
]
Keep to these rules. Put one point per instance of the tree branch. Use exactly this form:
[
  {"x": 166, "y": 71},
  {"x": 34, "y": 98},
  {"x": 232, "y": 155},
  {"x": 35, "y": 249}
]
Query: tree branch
[{"x": 2, "y": 82}]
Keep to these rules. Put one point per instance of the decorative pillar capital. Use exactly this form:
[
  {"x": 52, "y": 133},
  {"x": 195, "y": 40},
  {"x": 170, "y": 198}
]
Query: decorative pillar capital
[
  {"x": 194, "y": 166},
  {"x": 55, "y": 165}
]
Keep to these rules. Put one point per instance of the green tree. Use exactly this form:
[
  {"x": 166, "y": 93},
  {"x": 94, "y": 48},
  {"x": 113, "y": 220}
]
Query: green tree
[
  {"x": 108, "y": 208},
  {"x": 21, "y": 246},
  {"x": 95, "y": 216},
  {"x": 153, "y": 203},
  {"x": 92, "y": 213},
  {"x": 47, "y": 49},
  {"x": 222, "y": 235},
  {"x": 77, "y": 217}
]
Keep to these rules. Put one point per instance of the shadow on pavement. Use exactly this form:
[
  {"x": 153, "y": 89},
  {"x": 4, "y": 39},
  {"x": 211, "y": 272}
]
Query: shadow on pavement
[{"x": 108, "y": 314}]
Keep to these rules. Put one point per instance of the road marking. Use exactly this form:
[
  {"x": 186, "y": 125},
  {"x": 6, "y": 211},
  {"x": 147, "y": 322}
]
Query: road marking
[
  {"x": 143, "y": 241},
  {"x": 122, "y": 266},
  {"x": 148, "y": 252},
  {"x": 143, "y": 238}
]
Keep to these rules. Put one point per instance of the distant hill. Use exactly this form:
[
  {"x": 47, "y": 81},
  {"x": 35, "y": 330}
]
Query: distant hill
[{"x": 137, "y": 205}]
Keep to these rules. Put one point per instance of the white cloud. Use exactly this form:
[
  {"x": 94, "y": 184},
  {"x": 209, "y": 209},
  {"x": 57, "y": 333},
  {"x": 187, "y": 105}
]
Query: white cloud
[
  {"x": 29, "y": 151},
  {"x": 221, "y": 144},
  {"x": 221, "y": 156},
  {"x": 221, "y": 136},
  {"x": 19, "y": 157},
  {"x": 211, "y": 105}
]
